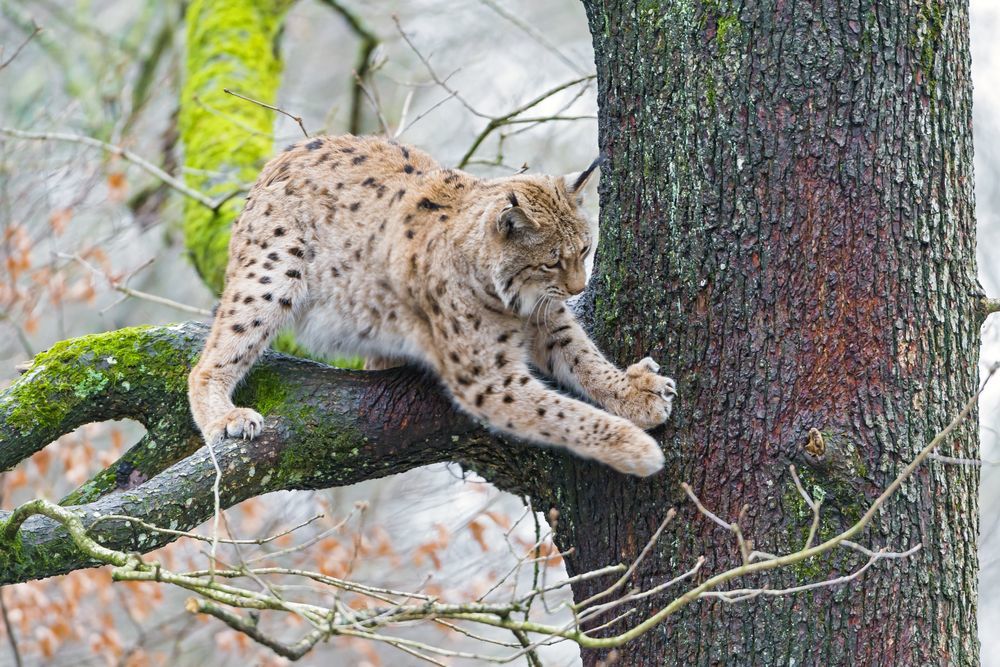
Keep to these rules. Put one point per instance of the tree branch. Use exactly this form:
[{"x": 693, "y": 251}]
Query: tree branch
[
  {"x": 363, "y": 63},
  {"x": 324, "y": 427},
  {"x": 987, "y": 307},
  {"x": 123, "y": 153}
]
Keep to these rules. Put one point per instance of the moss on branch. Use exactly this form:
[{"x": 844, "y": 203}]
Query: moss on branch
[
  {"x": 137, "y": 372},
  {"x": 324, "y": 427}
]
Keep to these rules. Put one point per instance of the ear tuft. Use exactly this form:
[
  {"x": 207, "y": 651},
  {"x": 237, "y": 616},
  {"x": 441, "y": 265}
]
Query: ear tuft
[
  {"x": 575, "y": 183},
  {"x": 514, "y": 221}
]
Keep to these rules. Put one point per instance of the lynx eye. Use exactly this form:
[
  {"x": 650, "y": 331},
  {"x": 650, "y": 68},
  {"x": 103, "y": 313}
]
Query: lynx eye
[
  {"x": 586, "y": 249},
  {"x": 552, "y": 267}
]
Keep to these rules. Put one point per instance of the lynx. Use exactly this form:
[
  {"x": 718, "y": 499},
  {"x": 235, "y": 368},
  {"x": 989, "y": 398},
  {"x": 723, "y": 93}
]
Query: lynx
[{"x": 369, "y": 247}]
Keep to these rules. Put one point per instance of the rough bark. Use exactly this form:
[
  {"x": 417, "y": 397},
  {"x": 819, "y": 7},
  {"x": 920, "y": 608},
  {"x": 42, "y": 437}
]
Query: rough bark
[
  {"x": 787, "y": 224},
  {"x": 324, "y": 427}
]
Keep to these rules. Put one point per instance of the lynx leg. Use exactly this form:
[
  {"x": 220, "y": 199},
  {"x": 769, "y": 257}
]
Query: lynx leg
[
  {"x": 264, "y": 289},
  {"x": 514, "y": 402},
  {"x": 562, "y": 348}
]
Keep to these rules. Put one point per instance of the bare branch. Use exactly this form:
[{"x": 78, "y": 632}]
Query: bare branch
[
  {"x": 813, "y": 505},
  {"x": 36, "y": 29},
  {"x": 123, "y": 153},
  {"x": 989, "y": 306},
  {"x": 494, "y": 122},
  {"x": 297, "y": 119},
  {"x": 740, "y": 594},
  {"x": 509, "y": 117},
  {"x": 376, "y": 106},
  {"x": 632, "y": 568},
  {"x": 121, "y": 285},
  {"x": 362, "y": 66},
  {"x": 9, "y": 630},
  {"x": 250, "y": 629},
  {"x": 536, "y": 35}
]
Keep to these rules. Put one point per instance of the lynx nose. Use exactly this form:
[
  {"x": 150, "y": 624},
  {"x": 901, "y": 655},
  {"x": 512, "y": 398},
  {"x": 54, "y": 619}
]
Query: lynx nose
[{"x": 576, "y": 284}]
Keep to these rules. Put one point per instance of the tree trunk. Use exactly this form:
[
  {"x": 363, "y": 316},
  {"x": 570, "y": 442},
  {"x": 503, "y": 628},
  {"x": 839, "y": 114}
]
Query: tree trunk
[{"x": 787, "y": 226}]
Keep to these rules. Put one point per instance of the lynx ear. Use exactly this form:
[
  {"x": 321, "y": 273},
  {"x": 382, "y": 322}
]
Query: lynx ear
[
  {"x": 514, "y": 221},
  {"x": 575, "y": 183}
]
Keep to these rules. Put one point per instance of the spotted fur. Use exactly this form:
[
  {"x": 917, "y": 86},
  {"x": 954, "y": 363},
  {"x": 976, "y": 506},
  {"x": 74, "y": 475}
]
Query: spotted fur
[{"x": 369, "y": 247}]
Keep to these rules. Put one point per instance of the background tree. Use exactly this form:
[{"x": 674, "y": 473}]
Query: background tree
[{"x": 768, "y": 205}]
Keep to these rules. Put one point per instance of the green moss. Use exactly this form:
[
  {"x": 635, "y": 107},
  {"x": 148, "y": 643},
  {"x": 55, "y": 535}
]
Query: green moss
[
  {"x": 93, "y": 382},
  {"x": 16, "y": 557},
  {"x": 926, "y": 37},
  {"x": 71, "y": 374},
  {"x": 842, "y": 507},
  {"x": 264, "y": 391},
  {"x": 285, "y": 342},
  {"x": 726, "y": 27},
  {"x": 318, "y": 438},
  {"x": 230, "y": 44}
]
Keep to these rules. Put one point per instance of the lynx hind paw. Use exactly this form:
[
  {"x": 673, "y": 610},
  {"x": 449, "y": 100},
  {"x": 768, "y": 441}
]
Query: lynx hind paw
[
  {"x": 651, "y": 394},
  {"x": 238, "y": 423}
]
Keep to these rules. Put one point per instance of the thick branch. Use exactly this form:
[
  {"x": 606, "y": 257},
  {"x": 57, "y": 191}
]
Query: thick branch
[{"x": 324, "y": 427}]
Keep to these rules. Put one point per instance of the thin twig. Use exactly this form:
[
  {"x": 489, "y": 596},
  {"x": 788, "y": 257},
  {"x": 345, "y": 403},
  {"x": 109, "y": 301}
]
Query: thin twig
[
  {"x": 704, "y": 510},
  {"x": 119, "y": 285},
  {"x": 358, "y": 507},
  {"x": 813, "y": 505},
  {"x": 196, "y": 536},
  {"x": 250, "y": 629},
  {"x": 297, "y": 119},
  {"x": 961, "y": 461},
  {"x": 740, "y": 594},
  {"x": 376, "y": 107},
  {"x": 508, "y": 118},
  {"x": 494, "y": 122},
  {"x": 11, "y": 638},
  {"x": 536, "y": 35},
  {"x": 362, "y": 66},
  {"x": 598, "y": 610},
  {"x": 123, "y": 153},
  {"x": 37, "y": 29},
  {"x": 403, "y": 126},
  {"x": 671, "y": 513}
]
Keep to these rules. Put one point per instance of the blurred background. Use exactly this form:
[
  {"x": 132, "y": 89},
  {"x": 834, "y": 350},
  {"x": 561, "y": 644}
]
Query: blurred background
[{"x": 76, "y": 222}]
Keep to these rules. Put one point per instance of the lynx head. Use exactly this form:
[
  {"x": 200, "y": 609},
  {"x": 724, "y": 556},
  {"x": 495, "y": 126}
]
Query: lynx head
[{"x": 540, "y": 241}]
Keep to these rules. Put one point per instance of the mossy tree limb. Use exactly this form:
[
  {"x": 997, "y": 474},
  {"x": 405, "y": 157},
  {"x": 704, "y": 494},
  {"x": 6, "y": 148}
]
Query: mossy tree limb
[
  {"x": 230, "y": 44},
  {"x": 324, "y": 427}
]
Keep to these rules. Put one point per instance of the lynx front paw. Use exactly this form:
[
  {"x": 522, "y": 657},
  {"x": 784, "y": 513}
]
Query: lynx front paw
[
  {"x": 636, "y": 453},
  {"x": 239, "y": 423},
  {"x": 648, "y": 396}
]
